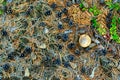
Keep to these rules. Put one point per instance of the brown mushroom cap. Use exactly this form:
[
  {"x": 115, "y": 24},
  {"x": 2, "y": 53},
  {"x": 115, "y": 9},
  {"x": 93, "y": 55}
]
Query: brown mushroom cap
[{"x": 84, "y": 40}]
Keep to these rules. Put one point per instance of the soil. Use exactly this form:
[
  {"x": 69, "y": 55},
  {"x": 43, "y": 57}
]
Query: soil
[{"x": 39, "y": 39}]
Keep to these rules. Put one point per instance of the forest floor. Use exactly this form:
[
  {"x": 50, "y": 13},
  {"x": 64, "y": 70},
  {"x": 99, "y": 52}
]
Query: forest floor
[{"x": 44, "y": 40}]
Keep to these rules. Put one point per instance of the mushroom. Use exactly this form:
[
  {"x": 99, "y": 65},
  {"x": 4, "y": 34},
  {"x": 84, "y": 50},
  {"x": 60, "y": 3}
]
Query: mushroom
[{"x": 84, "y": 40}]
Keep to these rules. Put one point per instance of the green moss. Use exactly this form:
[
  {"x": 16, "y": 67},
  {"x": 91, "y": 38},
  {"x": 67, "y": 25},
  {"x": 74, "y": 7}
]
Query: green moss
[
  {"x": 4, "y": 2},
  {"x": 96, "y": 25},
  {"x": 119, "y": 20},
  {"x": 82, "y": 6},
  {"x": 1, "y": 1},
  {"x": 94, "y": 10},
  {"x": 111, "y": 5},
  {"x": 1, "y": 11},
  {"x": 101, "y": 31},
  {"x": 113, "y": 30}
]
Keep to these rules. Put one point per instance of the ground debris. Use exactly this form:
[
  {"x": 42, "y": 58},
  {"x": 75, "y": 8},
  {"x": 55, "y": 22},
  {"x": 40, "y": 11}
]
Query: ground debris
[{"x": 59, "y": 39}]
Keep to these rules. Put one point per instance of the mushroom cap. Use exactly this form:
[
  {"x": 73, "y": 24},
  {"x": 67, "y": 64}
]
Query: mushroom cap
[{"x": 84, "y": 40}]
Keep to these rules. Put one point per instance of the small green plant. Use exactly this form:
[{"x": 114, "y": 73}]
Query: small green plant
[
  {"x": 82, "y": 6},
  {"x": 101, "y": 30},
  {"x": 94, "y": 10},
  {"x": 4, "y": 2},
  {"x": 1, "y": 1},
  {"x": 1, "y": 11},
  {"x": 111, "y": 5},
  {"x": 118, "y": 20},
  {"x": 96, "y": 25},
  {"x": 113, "y": 30}
]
